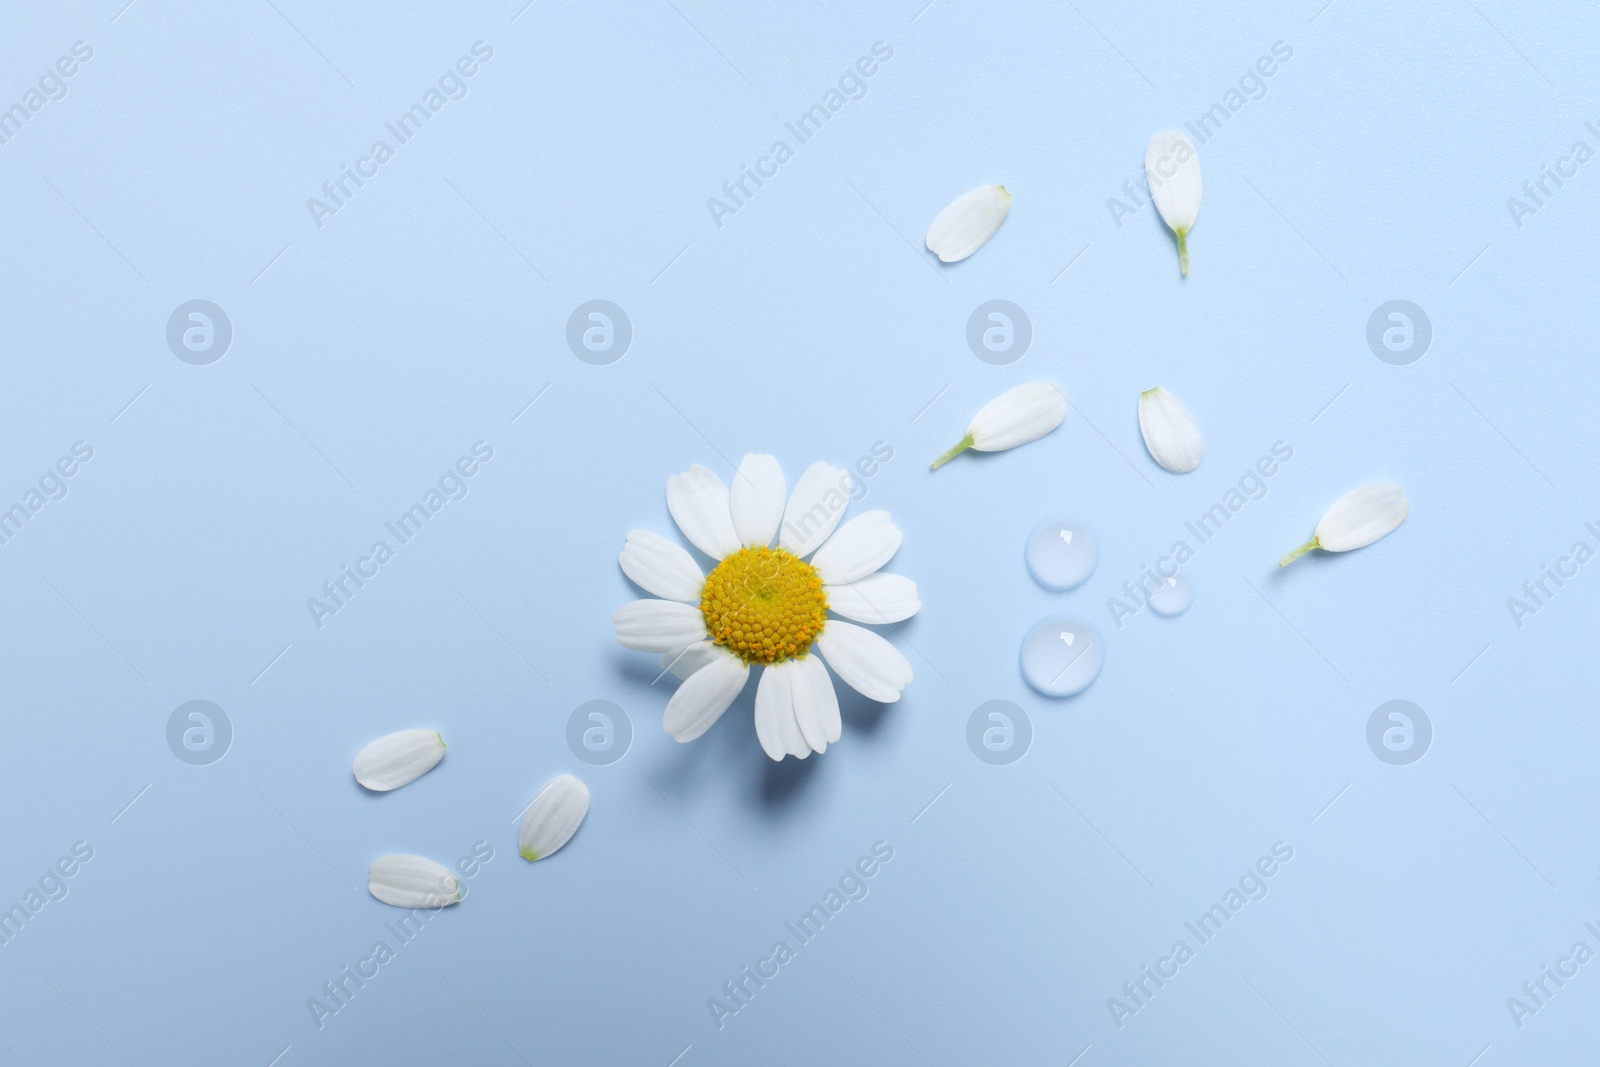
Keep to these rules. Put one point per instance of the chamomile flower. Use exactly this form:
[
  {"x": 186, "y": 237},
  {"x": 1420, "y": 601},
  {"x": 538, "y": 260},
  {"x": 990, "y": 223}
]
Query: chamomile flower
[{"x": 766, "y": 605}]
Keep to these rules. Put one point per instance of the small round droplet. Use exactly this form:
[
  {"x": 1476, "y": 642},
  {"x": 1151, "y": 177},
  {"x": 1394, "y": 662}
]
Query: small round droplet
[
  {"x": 1172, "y": 596},
  {"x": 1061, "y": 657},
  {"x": 1061, "y": 555}
]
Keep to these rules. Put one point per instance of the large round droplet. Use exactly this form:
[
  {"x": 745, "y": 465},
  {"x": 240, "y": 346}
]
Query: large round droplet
[
  {"x": 1171, "y": 596},
  {"x": 1061, "y": 555},
  {"x": 1061, "y": 657}
]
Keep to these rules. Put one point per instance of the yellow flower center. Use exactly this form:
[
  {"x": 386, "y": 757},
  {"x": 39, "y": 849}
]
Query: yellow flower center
[{"x": 764, "y": 605}]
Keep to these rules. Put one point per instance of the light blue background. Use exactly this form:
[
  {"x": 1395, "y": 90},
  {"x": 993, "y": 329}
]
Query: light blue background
[{"x": 370, "y": 353}]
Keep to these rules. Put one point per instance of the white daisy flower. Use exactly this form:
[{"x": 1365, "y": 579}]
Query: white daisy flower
[{"x": 766, "y": 606}]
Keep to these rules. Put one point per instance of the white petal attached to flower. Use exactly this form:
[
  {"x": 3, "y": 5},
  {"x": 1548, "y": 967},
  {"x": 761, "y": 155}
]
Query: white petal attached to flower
[
  {"x": 968, "y": 222},
  {"x": 398, "y": 759},
  {"x": 877, "y": 599},
  {"x": 777, "y": 727},
  {"x": 700, "y": 701},
  {"x": 413, "y": 882},
  {"x": 689, "y": 659},
  {"x": 868, "y": 664},
  {"x": 1169, "y": 432},
  {"x": 1172, "y": 169},
  {"x": 661, "y": 566},
  {"x": 757, "y": 499},
  {"x": 816, "y": 704},
  {"x": 1013, "y": 418},
  {"x": 553, "y": 817},
  {"x": 658, "y": 625},
  {"x": 858, "y": 548},
  {"x": 1357, "y": 519},
  {"x": 815, "y": 508},
  {"x": 699, "y": 504}
]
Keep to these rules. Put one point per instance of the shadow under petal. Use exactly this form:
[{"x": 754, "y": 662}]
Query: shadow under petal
[
  {"x": 862, "y": 715},
  {"x": 728, "y": 742},
  {"x": 782, "y": 784}
]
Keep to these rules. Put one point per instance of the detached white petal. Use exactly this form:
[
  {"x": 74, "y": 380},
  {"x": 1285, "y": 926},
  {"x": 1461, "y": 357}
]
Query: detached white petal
[
  {"x": 868, "y": 664},
  {"x": 858, "y": 548},
  {"x": 658, "y": 625},
  {"x": 398, "y": 759},
  {"x": 553, "y": 817},
  {"x": 1172, "y": 169},
  {"x": 702, "y": 699},
  {"x": 1013, "y": 418},
  {"x": 1169, "y": 432},
  {"x": 699, "y": 504},
  {"x": 1357, "y": 519},
  {"x": 878, "y": 598},
  {"x": 413, "y": 882},
  {"x": 968, "y": 222},
  {"x": 757, "y": 499},
  {"x": 662, "y": 567}
]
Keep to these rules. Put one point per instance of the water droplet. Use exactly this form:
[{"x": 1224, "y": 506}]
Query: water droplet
[
  {"x": 1061, "y": 657},
  {"x": 1172, "y": 596},
  {"x": 1061, "y": 555}
]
